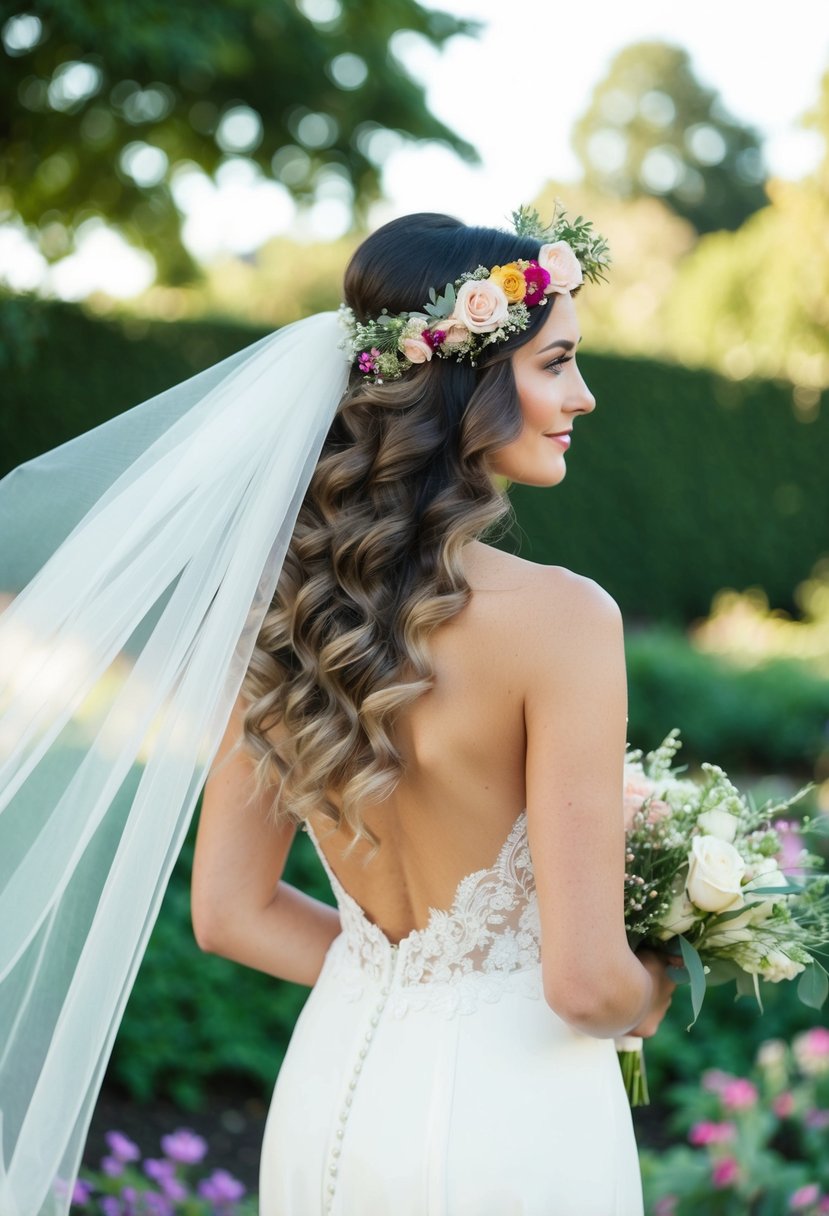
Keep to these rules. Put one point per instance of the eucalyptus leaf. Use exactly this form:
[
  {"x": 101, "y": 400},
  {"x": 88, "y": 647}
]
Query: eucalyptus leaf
[
  {"x": 696, "y": 973},
  {"x": 813, "y": 986}
]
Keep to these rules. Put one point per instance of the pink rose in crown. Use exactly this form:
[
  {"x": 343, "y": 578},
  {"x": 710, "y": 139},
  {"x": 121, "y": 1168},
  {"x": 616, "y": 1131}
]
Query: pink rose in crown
[
  {"x": 416, "y": 350},
  {"x": 562, "y": 265},
  {"x": 481, "y": 306},
  {"x": 455, "y": 333}
]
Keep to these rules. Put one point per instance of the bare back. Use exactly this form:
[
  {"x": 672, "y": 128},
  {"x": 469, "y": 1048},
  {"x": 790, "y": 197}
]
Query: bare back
[{"x": 464, "y": 744}]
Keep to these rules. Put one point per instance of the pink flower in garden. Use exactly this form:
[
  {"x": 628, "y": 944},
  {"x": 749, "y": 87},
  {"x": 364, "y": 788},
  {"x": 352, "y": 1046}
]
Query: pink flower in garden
[
  {"x": 184, "y": 1146},
  {"x": 715, "y": 1080},
  {"x": 725, "y": 1172},
  {"x": 823, "y": 1206},
  {"x": 804, "y": 1197},
  {"x": 707, "y": 1132},
  {"x": 783, "y": 1105},
  {"x": 811, "y": 1050},
  {"x": 121, "y": 1147},
  {"x": 739, "y": 1094},
  {"x": 666, "y": 1206}
]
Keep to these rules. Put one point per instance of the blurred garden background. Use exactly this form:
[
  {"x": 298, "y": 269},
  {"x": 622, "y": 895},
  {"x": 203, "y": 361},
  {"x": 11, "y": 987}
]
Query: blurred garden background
[{"x": 175, "y": 185}]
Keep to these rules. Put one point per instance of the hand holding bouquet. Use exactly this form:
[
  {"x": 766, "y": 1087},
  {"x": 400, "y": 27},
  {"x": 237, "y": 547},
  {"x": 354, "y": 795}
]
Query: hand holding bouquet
[{"x": 704, "y": 879}]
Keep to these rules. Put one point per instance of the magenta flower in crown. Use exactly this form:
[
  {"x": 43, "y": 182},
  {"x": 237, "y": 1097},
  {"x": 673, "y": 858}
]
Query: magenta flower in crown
[
  {"x": 367, "y": 362},
  {"x": 537, "y": 280},
  {"x": 434, "y": 337}
]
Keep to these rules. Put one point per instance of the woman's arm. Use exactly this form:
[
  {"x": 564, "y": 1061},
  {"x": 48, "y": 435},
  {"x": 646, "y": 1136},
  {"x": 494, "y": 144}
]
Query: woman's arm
[
  {"x": 576, "y": 717},
  {"x": 241, "y": 908}
]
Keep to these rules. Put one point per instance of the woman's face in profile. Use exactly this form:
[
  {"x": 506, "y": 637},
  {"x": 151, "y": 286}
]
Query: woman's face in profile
[{"x": 552, "y": 393}]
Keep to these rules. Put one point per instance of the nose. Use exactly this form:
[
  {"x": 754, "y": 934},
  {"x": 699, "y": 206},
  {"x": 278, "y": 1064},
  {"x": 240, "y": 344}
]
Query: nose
[{"x": 581, "y": 400}]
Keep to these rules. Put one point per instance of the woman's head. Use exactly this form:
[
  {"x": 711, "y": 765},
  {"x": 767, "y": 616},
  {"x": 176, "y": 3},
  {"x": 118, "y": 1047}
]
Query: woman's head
[
  {"x": 404, "y": 481},
  {"x": 507, "y": 393}
]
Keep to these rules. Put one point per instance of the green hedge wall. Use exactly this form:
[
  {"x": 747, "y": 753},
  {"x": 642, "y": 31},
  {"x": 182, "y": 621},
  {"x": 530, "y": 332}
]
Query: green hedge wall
[{"x": 680, "y": 482}]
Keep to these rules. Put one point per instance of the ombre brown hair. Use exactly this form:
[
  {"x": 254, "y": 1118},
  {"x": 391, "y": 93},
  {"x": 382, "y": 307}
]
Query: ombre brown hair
[{"x": 374, "y": 563}]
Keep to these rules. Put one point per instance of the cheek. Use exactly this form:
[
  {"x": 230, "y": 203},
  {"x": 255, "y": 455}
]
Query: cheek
[{"x": 535, "y": 406}]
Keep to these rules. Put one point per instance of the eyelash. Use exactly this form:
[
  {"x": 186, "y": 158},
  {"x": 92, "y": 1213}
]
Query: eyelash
[{"x": 556, "y": 365}]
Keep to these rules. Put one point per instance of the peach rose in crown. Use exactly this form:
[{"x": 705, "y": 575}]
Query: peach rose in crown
[
  {"x": 562, "y": 265},
  {"x": 481, "y": 306},
  {"x": 416, "y": 350}
]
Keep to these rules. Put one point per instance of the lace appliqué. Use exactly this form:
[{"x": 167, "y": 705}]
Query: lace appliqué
[{"x": 487, "y": 943}]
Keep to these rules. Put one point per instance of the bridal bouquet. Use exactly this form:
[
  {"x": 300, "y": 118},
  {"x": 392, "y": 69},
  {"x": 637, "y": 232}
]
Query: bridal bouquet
[{"x": 712, "y": 878}]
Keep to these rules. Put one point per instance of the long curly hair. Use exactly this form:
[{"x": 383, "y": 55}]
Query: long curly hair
[{"x": 374, "y": 563}]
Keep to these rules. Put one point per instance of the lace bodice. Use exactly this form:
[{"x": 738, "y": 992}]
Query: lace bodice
[{"x": 488, "y": 941}]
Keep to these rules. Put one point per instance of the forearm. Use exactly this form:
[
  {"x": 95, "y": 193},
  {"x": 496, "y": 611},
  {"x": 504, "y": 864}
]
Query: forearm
[{"x": 288, "y": 938}]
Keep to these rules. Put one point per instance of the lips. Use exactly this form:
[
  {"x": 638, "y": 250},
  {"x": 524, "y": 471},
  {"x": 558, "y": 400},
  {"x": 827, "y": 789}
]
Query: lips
[{"x": 561, "y": 437}]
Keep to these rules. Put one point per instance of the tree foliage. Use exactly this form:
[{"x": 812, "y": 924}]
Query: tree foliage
[
  {"x": 100, "y": 103},
  {"x": 651, "y": 128}
]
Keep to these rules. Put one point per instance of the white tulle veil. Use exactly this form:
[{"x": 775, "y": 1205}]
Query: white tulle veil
[{"x": 137, "y": 563}]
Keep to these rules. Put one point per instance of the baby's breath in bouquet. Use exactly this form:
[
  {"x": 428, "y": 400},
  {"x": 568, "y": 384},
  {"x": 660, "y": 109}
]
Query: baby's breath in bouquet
[{"x": 710, "y": 877}]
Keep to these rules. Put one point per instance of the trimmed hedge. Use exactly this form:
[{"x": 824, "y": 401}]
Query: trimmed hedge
[{"x": 679, "y": 484}]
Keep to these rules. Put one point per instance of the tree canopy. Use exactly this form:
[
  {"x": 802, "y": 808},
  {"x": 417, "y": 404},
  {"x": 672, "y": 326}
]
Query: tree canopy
[
  {"x": 100, "y": 103},
  {"x": 651, "y": 128}
]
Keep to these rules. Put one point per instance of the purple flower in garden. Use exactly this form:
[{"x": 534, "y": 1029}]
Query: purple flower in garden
[
  {"x": 816, "y": 1119},
  {"x": 158, "y": 1169},
  {"x": 174, "y": 1188},
  {"x": 157, "y": 1205},
  {"x": 184, "y": 1146},
  {"x": 121, "y": 1147},
  {"x": 804, "y": 1197},
  {"x": 81, "y": 1192},
  {"x": 112, "y": 1167},
  {"x": 110, "y": 1206},
  {"x": 221, "y": 1187}
]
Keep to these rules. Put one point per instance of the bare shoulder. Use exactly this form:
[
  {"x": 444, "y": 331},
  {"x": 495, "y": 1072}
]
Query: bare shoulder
[{"x": 545, "y": 601}]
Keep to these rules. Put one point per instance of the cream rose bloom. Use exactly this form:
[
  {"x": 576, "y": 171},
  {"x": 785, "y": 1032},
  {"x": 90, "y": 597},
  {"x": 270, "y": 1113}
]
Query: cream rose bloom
[
  {"x": 416, "y": 350},
  {"x": 563, "y": 267},
  {"x": 720, "y": 824},
  {"x": 481, "y": 306},
  {"x": 715, "y": 871},
  {"x": 456, "y": 332},
  {"x": 778, "y": 966}
]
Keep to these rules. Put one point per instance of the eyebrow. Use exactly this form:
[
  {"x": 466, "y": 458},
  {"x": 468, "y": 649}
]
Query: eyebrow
[{"x": 564, "y": 343}]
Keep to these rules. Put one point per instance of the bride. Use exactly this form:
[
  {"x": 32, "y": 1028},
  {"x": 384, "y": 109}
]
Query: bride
[{"x": 447, "y": 723}]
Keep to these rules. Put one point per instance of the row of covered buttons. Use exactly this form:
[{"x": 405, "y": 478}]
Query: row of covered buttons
[{"x": 345, "y": 1110}]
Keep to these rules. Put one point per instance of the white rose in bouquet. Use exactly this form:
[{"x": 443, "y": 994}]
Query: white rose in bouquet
[
  {"x": 720, "y": 824},
  {"x": 680, "y": 915},
  {"x": 715, "y": 872},
  {"x": 778, "y": 966},
  {"x": 767, "y": 874}
]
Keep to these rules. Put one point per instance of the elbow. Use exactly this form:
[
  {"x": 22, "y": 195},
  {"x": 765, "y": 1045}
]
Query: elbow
[
  {"x": 206, "y": 930},
  {"x": 597, "y": 1006}
]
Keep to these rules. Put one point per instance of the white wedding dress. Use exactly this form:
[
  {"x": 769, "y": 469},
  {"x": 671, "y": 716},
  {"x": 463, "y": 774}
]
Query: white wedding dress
[{"x": 431, "y": 1078}]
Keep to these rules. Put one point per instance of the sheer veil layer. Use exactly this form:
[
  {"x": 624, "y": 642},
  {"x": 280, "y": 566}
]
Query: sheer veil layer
[{"x": 137, "y": 563}]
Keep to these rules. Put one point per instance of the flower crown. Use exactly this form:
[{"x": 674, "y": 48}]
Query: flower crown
[{"x": 482, "y": 306}]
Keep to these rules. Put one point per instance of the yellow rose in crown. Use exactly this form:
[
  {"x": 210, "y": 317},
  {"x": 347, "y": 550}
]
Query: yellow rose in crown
[{"x": 510, "y": 279}]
